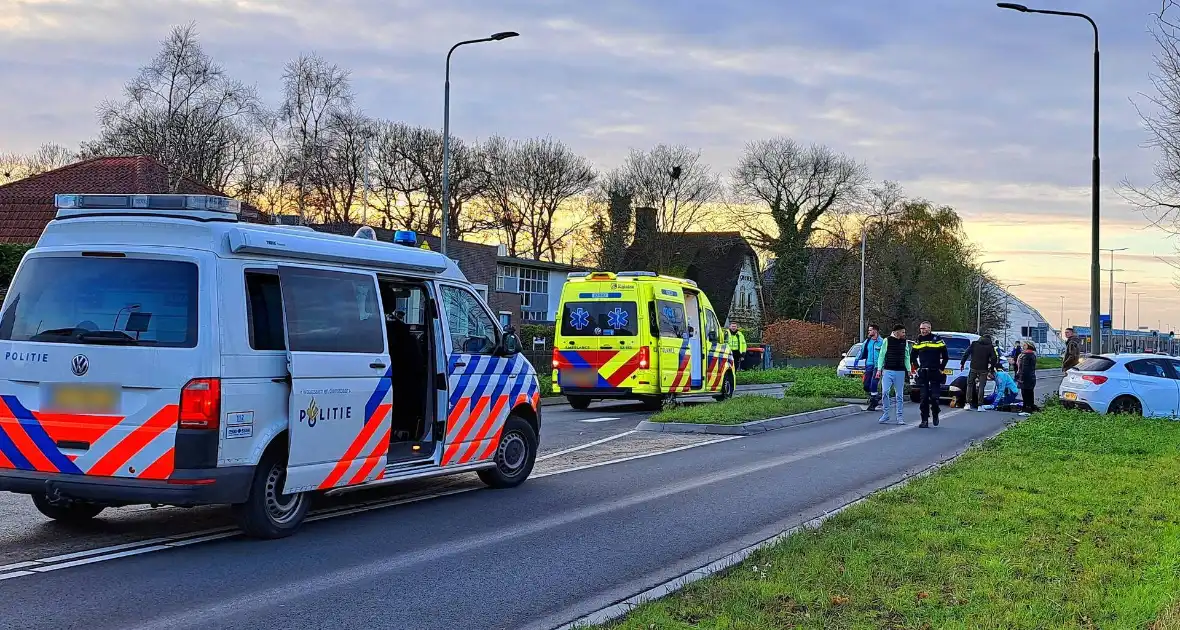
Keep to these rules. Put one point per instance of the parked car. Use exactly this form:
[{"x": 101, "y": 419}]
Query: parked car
[
  {"x": 847, "y": 366},
  {"x": 955, "y": 384},
  {"x": 1146, "y": 384}
]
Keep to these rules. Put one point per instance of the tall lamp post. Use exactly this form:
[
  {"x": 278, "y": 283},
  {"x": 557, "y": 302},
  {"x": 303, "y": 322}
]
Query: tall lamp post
[
  {"x": 1008, "y": 308},
  {"x": 446, "y": 156},
  {"x": 1125, "y": 285},
  {"x": 1095, "y": 177},
  {"x": 979, "y": 298},
  {"x": 1138, "y": 316}
]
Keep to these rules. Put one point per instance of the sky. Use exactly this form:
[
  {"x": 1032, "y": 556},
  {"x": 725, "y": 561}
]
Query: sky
[{"x": 965, "y": 104}]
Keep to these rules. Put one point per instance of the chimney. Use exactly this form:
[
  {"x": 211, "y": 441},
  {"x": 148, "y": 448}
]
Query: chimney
[{"x": 646, "y": 224}]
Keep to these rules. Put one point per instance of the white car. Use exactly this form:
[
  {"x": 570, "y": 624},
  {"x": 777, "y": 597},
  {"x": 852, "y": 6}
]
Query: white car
[
  {"x": 1147, "y": 384},
  {"x": 847, "y": 367}
]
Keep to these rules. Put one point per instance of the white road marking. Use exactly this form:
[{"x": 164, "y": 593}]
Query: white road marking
[
  {"x": 584, "y": 446},
  {"x": 115, "y": 552},
  {"x": 594, "y": 420}
]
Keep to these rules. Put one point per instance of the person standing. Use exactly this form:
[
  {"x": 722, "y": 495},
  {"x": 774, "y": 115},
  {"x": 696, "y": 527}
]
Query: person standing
[
  {"x": 984, "y": 359},
  {"x": 893, "y": 359},
  {"x": 1027, "y": 377},
  {"x": 930, "y": 358},
  {"x": 1014, "y": 353},
  {"x": 736, "y": 340},
  {"x": 869, "y": 350},
  {"x": 1073, "y": 351}
]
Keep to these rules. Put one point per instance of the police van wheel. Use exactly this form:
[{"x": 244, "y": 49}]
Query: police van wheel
[
  {"x": 65, "y": 510},
  {"x": 726, "y": 388},
  {"x": 581, "y": 403},
  {"x": 267, "y": 512},
  {"x": 515, "y": 455}
]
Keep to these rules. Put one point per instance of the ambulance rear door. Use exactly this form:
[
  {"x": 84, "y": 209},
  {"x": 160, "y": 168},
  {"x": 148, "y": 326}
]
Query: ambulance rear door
[{"x": 339, "y": 416}]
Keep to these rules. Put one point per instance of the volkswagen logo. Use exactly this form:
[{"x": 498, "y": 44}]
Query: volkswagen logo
[{"x": 80, "y": 365}]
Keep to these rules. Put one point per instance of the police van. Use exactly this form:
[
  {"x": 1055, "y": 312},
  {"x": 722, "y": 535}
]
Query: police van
[
  {"x": 638, "y": 335},
  {"x": 158, "y": 351}
]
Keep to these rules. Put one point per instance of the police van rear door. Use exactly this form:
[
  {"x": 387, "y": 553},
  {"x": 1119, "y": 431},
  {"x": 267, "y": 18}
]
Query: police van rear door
[{"x": 340, "y": 378}]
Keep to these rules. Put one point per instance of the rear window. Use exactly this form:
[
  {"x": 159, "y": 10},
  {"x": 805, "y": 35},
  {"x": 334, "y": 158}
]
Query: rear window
[
  {"x": 1095, "y": 364},
  {"x": 591, "y": 319},
  {"x": 111, "y": 301},
  {"x": 956, "y": 347}
]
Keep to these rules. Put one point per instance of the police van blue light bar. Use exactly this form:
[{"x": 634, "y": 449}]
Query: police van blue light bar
[
  {"x": 206, "y": 203},
  {"x": 405, "y": 237}
]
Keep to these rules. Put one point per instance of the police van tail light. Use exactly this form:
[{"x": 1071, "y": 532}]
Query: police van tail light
[
  {"x": 200, "y": 404},
  {"x": 644, "y": 358}
]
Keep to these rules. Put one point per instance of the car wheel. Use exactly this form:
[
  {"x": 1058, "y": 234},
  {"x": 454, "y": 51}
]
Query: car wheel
[
  {"x": 65, "y": 510},
  {"x": 726, "y": 388},
  {"x": 581, "y": 403},
  {"x": 267, "y": 512},
  {"x": 515, "y": 455},
  {"x": 1126, "y": 406}
]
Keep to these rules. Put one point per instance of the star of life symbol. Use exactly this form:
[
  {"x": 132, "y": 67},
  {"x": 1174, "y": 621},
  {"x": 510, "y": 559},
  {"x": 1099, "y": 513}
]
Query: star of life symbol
[
  {"x": 579, "y": 318},
  {"x": 617, "y": 318}
]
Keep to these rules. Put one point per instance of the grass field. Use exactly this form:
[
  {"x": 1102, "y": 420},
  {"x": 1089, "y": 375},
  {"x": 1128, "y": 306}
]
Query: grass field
[
  {"x": 1067, "y": 520},
  {"x": 825, "y": 385},
  {"x": 1048, "y": 363},
  {"x": 741, "y": 409}
]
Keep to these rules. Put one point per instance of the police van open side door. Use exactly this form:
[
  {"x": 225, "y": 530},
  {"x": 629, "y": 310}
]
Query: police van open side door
[{"x": 339, "y": 418}]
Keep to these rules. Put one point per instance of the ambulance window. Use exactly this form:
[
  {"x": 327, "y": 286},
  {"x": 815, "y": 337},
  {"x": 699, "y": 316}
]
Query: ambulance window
[
  {"x": 712, "y": 327},
  {"x": 264, "y": 311},
  {"x": 472, "y": 330},
  {"x": 671, "y": 316},
  {"x": 332, "y": 311}
]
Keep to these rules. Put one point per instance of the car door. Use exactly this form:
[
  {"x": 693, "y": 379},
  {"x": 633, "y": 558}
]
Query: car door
[
  {"x": 696, "y": 358},
  {"x": 673, "y": 342},
  {"x": 718, "y": 358},
  {"x": 483, "y": 387},
  {"x": 1155, "y": 384},
  {"x": 339, "y": 414}
]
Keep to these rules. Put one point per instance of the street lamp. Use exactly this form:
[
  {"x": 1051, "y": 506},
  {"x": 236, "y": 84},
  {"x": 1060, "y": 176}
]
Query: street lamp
[
  {"x": 1095, "y": 290},
  {"x": 1008, "y": 309},
  {"x": 446, "y": 156},
  {"x": 979, "y": 298},
  {"x": 1125, "y": 285}
]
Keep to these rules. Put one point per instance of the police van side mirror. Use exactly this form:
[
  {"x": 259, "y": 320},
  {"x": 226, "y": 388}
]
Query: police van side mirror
[{"x": 509, "y": 343}]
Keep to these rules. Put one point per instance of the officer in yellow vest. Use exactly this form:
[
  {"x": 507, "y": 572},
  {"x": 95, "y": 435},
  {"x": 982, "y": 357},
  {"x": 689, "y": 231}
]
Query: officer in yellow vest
[{"x": 737, "y": 344}]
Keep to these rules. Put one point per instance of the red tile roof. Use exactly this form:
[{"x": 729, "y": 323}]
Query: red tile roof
[{"x": 27, "y": 205}]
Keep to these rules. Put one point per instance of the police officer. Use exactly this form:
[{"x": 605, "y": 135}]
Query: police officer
[
  {"x": 736, "y": 339},
  {"x": 930, "y": 358}
]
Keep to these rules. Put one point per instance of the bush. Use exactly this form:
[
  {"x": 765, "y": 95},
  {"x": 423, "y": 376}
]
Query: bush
[
  {"x": 795, "y": 338},
  {"x": 526, "y": 333},
  {"x": 546, "y": 381},
  {"x": 10, "y": 256}
]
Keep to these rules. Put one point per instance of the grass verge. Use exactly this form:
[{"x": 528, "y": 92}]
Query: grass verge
[
  {"x": 774, "y": 376},
  {"x": 741, "y": 409},
  {"x": 825, "y": 385},
  {"x": 1067, "y": 520},
  {"x": 1048, "y": 363}
]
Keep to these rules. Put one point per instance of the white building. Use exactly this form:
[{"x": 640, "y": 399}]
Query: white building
[{"x": 1025, "y": 323}]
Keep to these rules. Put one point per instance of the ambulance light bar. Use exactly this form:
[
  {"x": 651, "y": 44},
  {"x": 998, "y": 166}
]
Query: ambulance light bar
[
  {"x": 577, "y": 274},
  {"x": 602, "y": 275},
  {"x": 638, "y": 274},
  {"x": 206, "y": 203}
]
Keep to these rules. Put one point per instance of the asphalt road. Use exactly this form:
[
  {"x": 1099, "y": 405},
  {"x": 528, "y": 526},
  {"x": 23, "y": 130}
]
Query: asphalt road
[{"x": 546, "y": 553}]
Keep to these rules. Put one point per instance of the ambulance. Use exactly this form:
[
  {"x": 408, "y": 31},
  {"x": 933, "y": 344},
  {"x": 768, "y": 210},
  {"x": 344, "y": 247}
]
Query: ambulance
[
  {"x": 157, "y": 350},
  {"x": 638, "y": 335}
]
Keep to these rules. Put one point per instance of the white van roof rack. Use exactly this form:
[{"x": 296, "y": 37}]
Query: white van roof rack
[{"x": 198, "y": 207}]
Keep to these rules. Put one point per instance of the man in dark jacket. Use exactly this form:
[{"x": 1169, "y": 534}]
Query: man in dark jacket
[
  {"x": 1073, "y": 351},
  {"x": 930, "y": 358},
  {"x": 984, "y": 358},
  {"x": 1026, "y": 377}
]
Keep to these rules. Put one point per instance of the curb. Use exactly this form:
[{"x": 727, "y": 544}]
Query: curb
[
  {"x": 560, "y": 400},
  {"x": 624, "y": 607},
  {"x": 749, "y": 428}
]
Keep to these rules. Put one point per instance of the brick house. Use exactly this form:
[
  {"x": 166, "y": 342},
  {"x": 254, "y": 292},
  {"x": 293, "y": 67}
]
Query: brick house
[{"x": 27, "y": 205}]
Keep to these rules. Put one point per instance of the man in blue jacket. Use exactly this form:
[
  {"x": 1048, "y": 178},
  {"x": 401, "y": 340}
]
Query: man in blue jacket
[{"x": 869, "y": 349}]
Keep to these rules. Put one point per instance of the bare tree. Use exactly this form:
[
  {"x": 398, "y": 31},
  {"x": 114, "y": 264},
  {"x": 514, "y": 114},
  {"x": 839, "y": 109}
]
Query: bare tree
[
  {"x": 338, "y": 165},
  {"x": 185, "y": 111},
  {"x": 399, "y": 185},
  {"x": 315, "y": 95},
  {"x": 49, "y": 156},
  {"x": 526, "y": 186},
  {"x": 610, "y": 216},
  {"x": 423, "y": 151},
  {"x": 785, "y": 189},
  {"x": 679, "y": 200}
]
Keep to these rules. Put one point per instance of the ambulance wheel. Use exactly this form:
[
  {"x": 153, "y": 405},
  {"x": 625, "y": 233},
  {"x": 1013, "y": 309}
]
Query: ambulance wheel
[
  {"x": 515, "y": 455},
  {"x": 726, "y": 388},
  {"x": 653, "y": 403},
  {"x": 581, "y": 403},
  {"x": 65, "y": 510},
  {"x": 267, "y": 512}
]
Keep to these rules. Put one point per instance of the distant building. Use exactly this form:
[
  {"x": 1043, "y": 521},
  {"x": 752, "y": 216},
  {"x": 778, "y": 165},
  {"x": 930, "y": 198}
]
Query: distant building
[
  {"x": 1025, "y": 323},
  {"x": 27, "y": 205},
  {"x": 723, "y": 264},
  {"x": 538, "y": 282}
]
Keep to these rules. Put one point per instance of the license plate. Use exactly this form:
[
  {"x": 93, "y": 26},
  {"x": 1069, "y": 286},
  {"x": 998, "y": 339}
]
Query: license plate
[
  {"x": 857, "y": 372},
  {"x": 90, "y": 399},
  {"x": 582, "y": 378},
  {"x": 948, "y": 372},
  {"x": 1070, "y": 396}
]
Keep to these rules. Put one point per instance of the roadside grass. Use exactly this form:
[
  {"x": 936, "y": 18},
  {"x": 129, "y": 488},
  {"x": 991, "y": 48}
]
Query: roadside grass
[
  {"x": 777, "y": 375},
  {"x": 1168, "y": 620},
  {"x": 1048, "y": 363},
  {"x": 825, "y": 385},
  {"x": 545, "y": 380},
  {"x": 1066, "y": 520},
  {"x": 741, "y": 409}
]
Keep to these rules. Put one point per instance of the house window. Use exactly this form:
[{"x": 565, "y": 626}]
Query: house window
[
  {"x": 507, "y": 278},
  {"x": 534, "y": 281}
]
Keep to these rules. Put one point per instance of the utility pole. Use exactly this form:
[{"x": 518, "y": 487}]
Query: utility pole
[
  {"x": 1111, "y": 311},
  {"x": 365, "y": 190}
]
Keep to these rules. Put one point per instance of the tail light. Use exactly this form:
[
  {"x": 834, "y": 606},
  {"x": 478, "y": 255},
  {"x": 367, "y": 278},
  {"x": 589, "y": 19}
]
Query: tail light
[
  {"x": 200, "y": 404},
  {"x": 1094, "y": 378},
  {"x": 644, "y": 358},
  {"x": 556, "y": 358}
]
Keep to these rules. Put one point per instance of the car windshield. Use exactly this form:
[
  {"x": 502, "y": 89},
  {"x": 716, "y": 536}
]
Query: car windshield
[
  {"x": 854, "y": 351},
  {"x": 956, "y": 347},
  {"x": 107, "y": 301}
]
